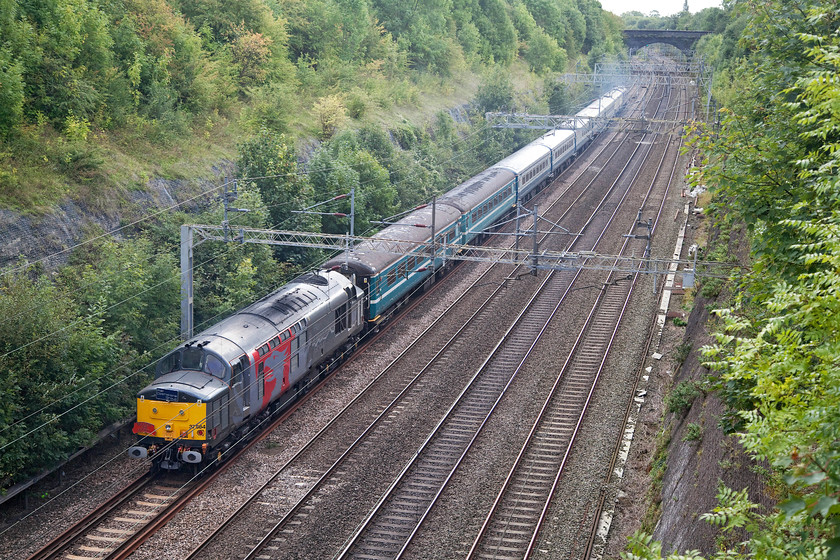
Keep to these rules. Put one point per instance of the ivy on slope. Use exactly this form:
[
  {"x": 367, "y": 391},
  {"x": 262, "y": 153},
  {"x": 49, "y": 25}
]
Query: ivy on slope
[{"x": 775, "y": 164}]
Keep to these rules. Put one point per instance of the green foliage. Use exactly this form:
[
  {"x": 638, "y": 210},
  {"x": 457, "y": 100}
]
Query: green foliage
[
  {"x": 683, "y": 350},
  {"x": 330, "y": 114},
  {"x": 693, "y": 432},
  {"x": 268, "y": 162},
  {"x": 135, "y": 289},
  {"x": 540, "y": 50},
  {"x": 681, "y": 397},
  {"x": 641, "y": 546},
  {"x": 11, "y": 92},
  {"x": 341, "y": 165},
  {"x": 55, "y": 366},
  {"x": 495, "y": 93}
]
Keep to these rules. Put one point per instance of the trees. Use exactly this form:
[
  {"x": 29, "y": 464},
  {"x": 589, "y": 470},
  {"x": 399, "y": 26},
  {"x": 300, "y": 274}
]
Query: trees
[
  {"x": 779, "y": 343},
  {"x": 56, "y": 362}
]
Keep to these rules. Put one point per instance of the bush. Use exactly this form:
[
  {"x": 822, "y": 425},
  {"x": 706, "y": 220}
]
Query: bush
[
  {"x": 331, "y": 115},
  {"x": 681, "y": 397},
  {"x": 693, "y": 432},
  {"x": 682, "y": 351}
]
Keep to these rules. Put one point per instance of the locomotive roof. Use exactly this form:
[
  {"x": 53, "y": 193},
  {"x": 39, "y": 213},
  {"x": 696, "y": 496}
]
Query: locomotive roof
[
  {"x": 389, "y": 245},
  {"x": 476, "y": 190},
  {"x": 524, "y": 158},
  {"x": 273, "y": 313}
]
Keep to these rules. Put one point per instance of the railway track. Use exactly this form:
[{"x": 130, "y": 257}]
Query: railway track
[
  {"x": 388, "y": 530},
  {"x": 119, "y": 525},
  {"x": 331, "y": 441},
  {"x": 276, "y": 543}
]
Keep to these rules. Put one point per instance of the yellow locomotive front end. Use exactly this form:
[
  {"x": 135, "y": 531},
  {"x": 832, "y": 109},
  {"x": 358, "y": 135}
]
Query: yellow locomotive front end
[{"x": 172, "y": 420}]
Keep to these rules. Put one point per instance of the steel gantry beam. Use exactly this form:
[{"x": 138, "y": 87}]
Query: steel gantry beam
[
  {"x": 194, "y": 235},
  {"x": 554, "y": 122},
  {"x": 633, "y": 79},
  {"x": 541, "y": 122}
]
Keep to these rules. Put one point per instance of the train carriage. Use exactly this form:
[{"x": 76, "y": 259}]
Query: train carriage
[
  {"x": 532, "y": 166},
  {"x": 482, "y": 200},
  {"x": 600, "y": 110},
  {"x": 563, "y": 146},
  {"x": 393, "y": 264}
]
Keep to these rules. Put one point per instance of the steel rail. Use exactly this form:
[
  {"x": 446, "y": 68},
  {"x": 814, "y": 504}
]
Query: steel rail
[
  {"x": 195, "y": 553},
  {"x": 354, "y": 542}
]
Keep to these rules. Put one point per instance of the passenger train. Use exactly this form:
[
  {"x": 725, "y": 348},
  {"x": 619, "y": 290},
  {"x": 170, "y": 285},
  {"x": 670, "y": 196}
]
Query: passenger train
[{"x": 210, "y": 392}]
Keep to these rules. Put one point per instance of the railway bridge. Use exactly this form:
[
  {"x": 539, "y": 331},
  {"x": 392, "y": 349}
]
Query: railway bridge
[{"x": 683, "y": 40}]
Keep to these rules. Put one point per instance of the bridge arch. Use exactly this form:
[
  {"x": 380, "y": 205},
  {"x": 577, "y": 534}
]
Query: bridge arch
[{"x": 683, "y": 40}]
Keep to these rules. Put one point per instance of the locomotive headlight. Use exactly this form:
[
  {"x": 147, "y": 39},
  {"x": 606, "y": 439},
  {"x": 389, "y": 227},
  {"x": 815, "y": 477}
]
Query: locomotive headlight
[
  {"x": 181, "y": 412},
  {"x": 169, "y": 427},
  {"x": 154, "y": 410}
]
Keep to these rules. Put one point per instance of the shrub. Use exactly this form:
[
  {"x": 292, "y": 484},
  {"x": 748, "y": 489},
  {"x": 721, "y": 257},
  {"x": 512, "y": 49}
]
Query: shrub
[
  {"x": 331, "y": 114},
  {"x": 681, "y": 352},
  {"x": 693, "y": 432},
  {"x": 679, "y": 400}
]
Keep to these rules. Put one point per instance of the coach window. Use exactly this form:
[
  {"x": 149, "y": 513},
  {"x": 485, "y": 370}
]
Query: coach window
[
  {"x": 263, "y": 350},
  {"x": 274, "y": 342},
  {"x": 392, "y": 276}
]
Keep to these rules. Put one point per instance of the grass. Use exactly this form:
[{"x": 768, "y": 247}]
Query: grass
[{"x": 658, "y": 466}]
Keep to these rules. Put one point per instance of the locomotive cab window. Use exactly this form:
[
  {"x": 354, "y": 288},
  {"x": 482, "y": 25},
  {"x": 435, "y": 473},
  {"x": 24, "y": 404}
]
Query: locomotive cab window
[
  {"x": 171, "y": 362},
  {"x": 191, "y": 358},
  {"x": 214, "y": 366}
]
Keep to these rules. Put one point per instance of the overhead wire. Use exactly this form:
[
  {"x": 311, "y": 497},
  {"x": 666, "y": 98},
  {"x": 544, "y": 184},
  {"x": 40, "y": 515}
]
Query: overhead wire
[
  {"x": 81, "y": 320},
  {"x": 142, "y": 369}
]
